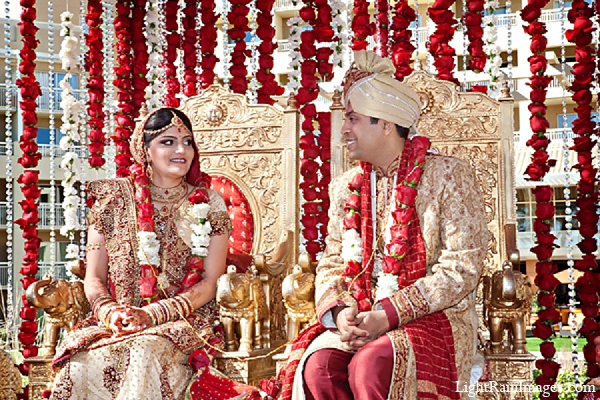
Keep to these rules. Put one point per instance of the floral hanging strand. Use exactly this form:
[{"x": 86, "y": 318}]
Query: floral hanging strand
[
  {"x": 189, "y": 48},
  {"x": 208, "y": 44},
  {"x": 361, "y": 27},
  {"x": 324, "y": 145},
  {"x": 238, "y": 20},
  {"x": 139, "y": 80},
  {"x": 539, "y": 81},
  {"x": 439, "y": 42},
  {"x": 584, "y": 127},
  {"x": 30, "y": 90},
  {"x": 153, "y": 90},
  {"x": 473, "y": 19},
  {"x": 491, "y": 48},
  {"x": 94, "y": 60},
  {"x": 173, "y": 87},
  {"x": 401, "y": 47},
  {"x": 382, "y": 20},
  {"x": 266, "y": 33},
  {"x": 546, "y": 283}
]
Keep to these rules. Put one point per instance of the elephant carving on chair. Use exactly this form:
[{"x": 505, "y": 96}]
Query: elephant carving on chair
[
  {"x": 298, "y": 290},
  {"x": 65, "y": 304},
  {"x": 242, "y": 304},
  {"x": 507, "y": 308}
]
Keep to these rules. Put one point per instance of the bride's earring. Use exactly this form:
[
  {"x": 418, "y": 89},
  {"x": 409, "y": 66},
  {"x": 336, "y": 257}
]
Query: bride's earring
[{"x": 149, "y": 171}]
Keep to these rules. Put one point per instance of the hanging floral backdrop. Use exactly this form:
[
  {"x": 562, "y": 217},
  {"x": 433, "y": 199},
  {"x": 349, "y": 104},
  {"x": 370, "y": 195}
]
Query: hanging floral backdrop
[{"x": 154, "y": 52}]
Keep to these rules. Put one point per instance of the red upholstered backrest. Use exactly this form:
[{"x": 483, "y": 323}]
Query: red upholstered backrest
[{"x": 240, "y": 241}]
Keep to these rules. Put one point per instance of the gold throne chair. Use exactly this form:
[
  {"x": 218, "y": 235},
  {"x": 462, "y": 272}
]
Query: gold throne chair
[
  {"x": 251, "y": 152},
  {"x": 478, "y": 129}
]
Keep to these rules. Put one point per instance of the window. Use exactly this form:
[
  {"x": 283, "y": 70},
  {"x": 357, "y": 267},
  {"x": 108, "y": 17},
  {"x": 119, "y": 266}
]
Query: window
[
  {"x": 44, "y": 136},
  {"x": 570, "y": 119},
  {"x": 44, "y": 80}
]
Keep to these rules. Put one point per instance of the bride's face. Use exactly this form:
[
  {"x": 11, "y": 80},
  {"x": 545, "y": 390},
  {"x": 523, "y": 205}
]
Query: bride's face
[{"x": 171, "y": 155}]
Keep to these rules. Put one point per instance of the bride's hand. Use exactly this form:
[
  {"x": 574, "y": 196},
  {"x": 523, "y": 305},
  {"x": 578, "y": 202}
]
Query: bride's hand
[{"x": 127, "y": 320}]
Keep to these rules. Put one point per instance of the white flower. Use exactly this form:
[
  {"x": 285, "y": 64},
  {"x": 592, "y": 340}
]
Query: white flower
[
  {"x": 72, "y": 250},
  {"x": 200, "y": 251},
  {"x": 201, "y": 210},
  {"x": 202, "y": 229},
  {"x": 387, "y": 284},
  {"x": 200, "y": 240},
  {"x": 351, "y": 246},
  {"x": 148, "y": 248}
]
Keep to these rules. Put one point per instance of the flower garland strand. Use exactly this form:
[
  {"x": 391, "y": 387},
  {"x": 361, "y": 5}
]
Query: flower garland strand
[
  {"x": 491, "y": 48},
  {"x": 154, "y": 88},
  {"x": 294, "y": 65},
  {"x": 382, "y": 21},
  {"x": 208, "y": 44},
  {"x": 338, "y": 9},
  {"x": 401, "y": 47},
  {"x": 266, "y": 33},
  {"x": 539, "y": 81},
  {"x": 356, "y": 251},
  {"x": 324, "y": 144},
  {"x": 94, "y": 60},
  {"x": 472, "y": 21},
  {"x": 546, "y": 283},
  {"x": 72, "y": 120},
  {"x": 439, "y": 41},
  {"x": 139, "y": 80},
  {"x": 30, "y": 90},
  {"x": 362, "y": 28},
  {"x": 587, "y": 193},
  {"x": 173, "y": 87},
  {"x": 238, "y": 26},
  {"x": 189, "y": 48}
]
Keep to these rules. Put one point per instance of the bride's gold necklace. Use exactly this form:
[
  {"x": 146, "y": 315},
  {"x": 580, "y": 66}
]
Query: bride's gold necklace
[{"x": 172, "y": 195}]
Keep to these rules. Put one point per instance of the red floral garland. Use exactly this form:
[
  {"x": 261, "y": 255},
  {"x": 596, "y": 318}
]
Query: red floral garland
[
  {"x": 546, "y": 283},
  {"x": 94, "y": 60},
  {"x": 587, "y": 194},
  {"x": 266, "y": 32},
  {"x": 357, "y": 276},
  {"x": 401, "y": 47},
  {"x": 30, "y": 90},
  {"x": 238, "y": 26},
  {"x": 439, "y": 42},
  {"x": 539, "y": 81},
  {"x": 208, "y": 44},
  {"x": 140, "y": 56},
  {"x": 123, "y": 81},
  {"x": 361, "y": 27},
  {"x": 382, "y": 26},
  {"x": 149, "y": 289},
  {"x": 324, "y": 144},
  {"x": 472, "y": 21},
  {"x": 189, "y": 48},
  {"x": 173, "y": 41}
]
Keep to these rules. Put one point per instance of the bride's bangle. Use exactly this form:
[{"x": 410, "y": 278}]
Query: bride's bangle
[
  {"x": 102, "y": 307},
  {"x": 178, "y": 307}
]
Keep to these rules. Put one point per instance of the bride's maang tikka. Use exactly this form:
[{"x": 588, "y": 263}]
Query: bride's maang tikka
[{"x": 175, "y": 121}]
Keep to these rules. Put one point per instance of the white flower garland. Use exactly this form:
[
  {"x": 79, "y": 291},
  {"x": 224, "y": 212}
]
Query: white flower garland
[
  {"x": 351, "y": 246},
  {"x": 201, "y": 230},
  {"x": 148, "y": 248},
  {"x": 491, "y": 48},
  {"x": 339, "y": 27},
  {"x": 294, "y": 66},
  {"x": 72, "y": 119},
  {"x": 155, "y": 55}
]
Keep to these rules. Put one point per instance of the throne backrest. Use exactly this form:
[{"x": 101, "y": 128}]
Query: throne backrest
[
  {"x": 252, "y": 150},
  {"x": 469, "y": 126}
]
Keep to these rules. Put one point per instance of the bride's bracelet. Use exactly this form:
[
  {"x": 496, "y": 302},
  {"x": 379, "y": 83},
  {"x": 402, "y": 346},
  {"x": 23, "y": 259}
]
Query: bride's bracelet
[
  {"x": 102, "y": 307},
  {"x": 178, "y": 307}
]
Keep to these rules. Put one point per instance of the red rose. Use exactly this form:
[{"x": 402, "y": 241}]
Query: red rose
[
  {"x": 588, "y": 327},
  {"x": 398, "y": 248},
  {"x": 540, "y": 226},
  {"x": 538, "y": 44},
  {"x": 26, "y": 282},
  {"x": 544, "y": 211},
  {"x": 588, "y": 245},
  {"x": 406, "y": 195},
  {"x": 352, "y": 268},
  {"x": 356, "y": 183},
  {"x": 28, "y": 313},
  {"x": 148, "y": 288},
  {"x": 549, "y": 314},
  {"x": 190, "y": 279},
  {"x": 541, "y": 330},
  {"x": 588, "y": 230},
  {"x": 28, "y": 327},
  {"x": 352, "y": 202},
  {"x": 538, "y": 123},
  {"x": 27, "y": 338},
  {"x": 589, "y": 353},
  {"x": 546, "y": 299},
  {"x": 364, "y": 305},
  {"x": 352, "y": 221},
  {"x": 198, "y": 360},
  {"x": 549, "y": 368},
  {"x": 589, "y": 310},
  {"x": 547, "y": 349},
  {"x": 546, "y": 282},
  {"x": 399, "y": 232}
]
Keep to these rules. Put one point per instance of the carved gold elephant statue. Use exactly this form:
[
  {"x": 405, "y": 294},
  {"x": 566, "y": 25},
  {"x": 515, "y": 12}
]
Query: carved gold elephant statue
[
  {"x": 64, "y": 303},
  {"x": 10, "y": 377},
  {"x": 298, "y": 290},
  {"x": 243, "y": 308},
  {"x": 507, "y": 295}
]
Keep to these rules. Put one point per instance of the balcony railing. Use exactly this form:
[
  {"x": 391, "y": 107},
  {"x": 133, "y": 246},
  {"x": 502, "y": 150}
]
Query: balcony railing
[
  {"x": 279, "y": 4},
  {"x": 44, "y": 214},
  {"x": 283, "y": 45},
  {"x": 555, "y": 134},
  {"x": 45, "y": 150},
  {"x": 8, "y": 90},
  {"x": 44, "y": 268}
]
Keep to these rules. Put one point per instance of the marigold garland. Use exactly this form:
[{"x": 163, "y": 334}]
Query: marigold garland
[
  {"x": 94, "y": 60},
  {"x": 173, "y": 87},
  {"x": 587, "y": 193},
  {"x": 401, "y": 47},
  {"x": 439, "y": 42}
]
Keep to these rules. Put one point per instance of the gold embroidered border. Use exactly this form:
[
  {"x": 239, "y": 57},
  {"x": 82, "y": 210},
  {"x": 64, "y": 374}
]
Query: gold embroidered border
[
  {"x": 220, "y": 223},
  {"x": 401, "y": 346},
  {"x": 410, "y": 304}
]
